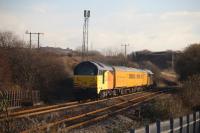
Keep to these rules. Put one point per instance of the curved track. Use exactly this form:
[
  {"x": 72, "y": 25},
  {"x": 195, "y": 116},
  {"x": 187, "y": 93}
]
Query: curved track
[
  {"x": 31, "y": 111},
  {"x": 54, "y": 108},
  {"x": 82, "y": 119}
]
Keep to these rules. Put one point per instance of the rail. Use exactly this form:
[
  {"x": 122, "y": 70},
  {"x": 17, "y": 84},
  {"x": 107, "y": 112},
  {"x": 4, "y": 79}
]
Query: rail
[
  {"x": 95, "y": 115},
  {"x": 58, "y": 107}
]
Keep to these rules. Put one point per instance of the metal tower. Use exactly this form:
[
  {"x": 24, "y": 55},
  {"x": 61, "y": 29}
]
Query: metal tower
[{"x": 85, "y": 33}]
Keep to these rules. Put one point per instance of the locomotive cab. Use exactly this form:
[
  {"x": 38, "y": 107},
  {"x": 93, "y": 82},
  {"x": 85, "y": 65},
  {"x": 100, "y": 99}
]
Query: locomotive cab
[{"x": 90, "y": 78}]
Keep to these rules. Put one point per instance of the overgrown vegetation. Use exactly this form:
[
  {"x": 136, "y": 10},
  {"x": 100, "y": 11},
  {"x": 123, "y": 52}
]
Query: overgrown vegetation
[
  {"x": 191, "y": 92},
  {"x": 4, "y": 109},
  {"x": 186, "y": 99},
  {"x": 188, "y": 62},
  {"x": 9, "y": 40},
  {"x": 32, "y": 69},
  {"x": 188, "y": 68},
  {"x": 163, "y": 108}
]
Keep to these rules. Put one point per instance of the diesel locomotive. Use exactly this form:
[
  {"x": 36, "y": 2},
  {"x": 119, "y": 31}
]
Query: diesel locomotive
[{"x": 94, "y": 79}]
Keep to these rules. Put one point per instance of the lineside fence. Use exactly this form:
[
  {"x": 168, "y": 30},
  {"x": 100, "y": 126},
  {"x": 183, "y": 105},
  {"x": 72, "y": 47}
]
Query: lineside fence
[
  {"x": 17, "y": 98},
  {"x": 185, "y": 124}
]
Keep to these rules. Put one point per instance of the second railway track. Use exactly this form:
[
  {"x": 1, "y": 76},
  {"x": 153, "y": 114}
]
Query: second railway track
[
  {"x": 71, "y": 122},
  {"x": 53, "y": 108},
  {"x": 36, "y": 110}
]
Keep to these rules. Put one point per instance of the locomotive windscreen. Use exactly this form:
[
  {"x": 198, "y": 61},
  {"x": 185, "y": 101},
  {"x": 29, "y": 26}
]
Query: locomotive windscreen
[{"x": 86, "y": 69}]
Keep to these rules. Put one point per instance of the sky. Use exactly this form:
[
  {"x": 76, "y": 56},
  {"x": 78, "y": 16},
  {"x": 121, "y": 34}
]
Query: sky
[{"x": 154, "y": 25}]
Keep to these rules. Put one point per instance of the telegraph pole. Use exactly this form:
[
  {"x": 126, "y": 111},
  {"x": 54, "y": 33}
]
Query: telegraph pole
[
  {"x": 30, "y": 33},
  {"x": 29, "y": 36},
  {"x": 39, "y": 38},
  {"x": 30, "y": 39},
  {"x": 125, "y": 46}
]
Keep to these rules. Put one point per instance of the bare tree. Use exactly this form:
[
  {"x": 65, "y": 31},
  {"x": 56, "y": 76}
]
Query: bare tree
[{"x": 9, "y": 40}]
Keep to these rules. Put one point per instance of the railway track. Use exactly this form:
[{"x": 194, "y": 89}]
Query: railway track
[
  {"x": 54, "y": 108},
  {"x": 71, "y": 122},
  {"x": 31, "y": 111}
]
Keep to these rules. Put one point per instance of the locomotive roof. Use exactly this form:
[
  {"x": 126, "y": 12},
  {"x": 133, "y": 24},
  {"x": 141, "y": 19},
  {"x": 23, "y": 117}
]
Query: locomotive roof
[
  {"x": 122, "y": 68},
  {"x": 102, "y": 66}
]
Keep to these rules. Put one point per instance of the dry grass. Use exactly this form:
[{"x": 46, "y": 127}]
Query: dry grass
[{"x": 164, "y": 107}]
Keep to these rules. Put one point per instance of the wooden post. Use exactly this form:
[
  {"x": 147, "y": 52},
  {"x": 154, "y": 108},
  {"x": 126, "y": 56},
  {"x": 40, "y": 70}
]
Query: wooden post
[
  {"x": 158, "y": 126},
  {"x": 181, "y": 124},
  {"x": 132, "y": 130},
  {"x": 188, "y": 122},
  {"x": 147, "y": 129},
  {"x": 11, "y": 97},
  {"x": 20, "y": 97},
  {"x": 14, "y": 98},
  {"x": 199, "y": 122},
  {"x": 171, "y": 125},
  {"x": 194, "y": 124},
  {"x": 8, "y": 98}
]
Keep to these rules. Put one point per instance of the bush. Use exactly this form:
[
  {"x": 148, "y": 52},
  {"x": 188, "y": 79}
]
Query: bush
[
  {"x": 188, "y": 63},
  {"x": 5, "y": 72},
  {"x": 191, "y": 91},
  {"x": 33, "y": 69},
  {"x": 163, "y": 108}
]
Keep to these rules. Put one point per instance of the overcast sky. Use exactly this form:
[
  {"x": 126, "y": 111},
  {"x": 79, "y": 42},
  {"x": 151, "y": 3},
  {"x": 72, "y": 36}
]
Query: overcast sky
[{"x": 145, "y": 24}]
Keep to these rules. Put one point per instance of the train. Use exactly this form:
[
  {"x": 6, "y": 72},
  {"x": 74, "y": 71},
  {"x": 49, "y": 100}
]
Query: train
[{"x": 95, "y": 79}]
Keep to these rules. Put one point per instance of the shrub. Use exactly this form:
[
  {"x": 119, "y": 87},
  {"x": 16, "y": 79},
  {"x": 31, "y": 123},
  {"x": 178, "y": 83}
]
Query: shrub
[
  {"x": 163, "y": 108},
  {"x": 188, "y": 63},
  {"x": 191, "y": 91},
  {"x": 33, "y": 69},
  {"x": 5, "y": 72}
]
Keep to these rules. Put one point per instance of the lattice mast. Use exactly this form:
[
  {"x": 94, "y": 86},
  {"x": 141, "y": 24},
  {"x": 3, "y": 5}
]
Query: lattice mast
[{"x": 85, "y": 33}]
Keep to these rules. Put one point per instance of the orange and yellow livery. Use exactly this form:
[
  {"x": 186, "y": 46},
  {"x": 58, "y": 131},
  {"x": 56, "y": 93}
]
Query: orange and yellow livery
[{"x": 93, "y": 79}]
